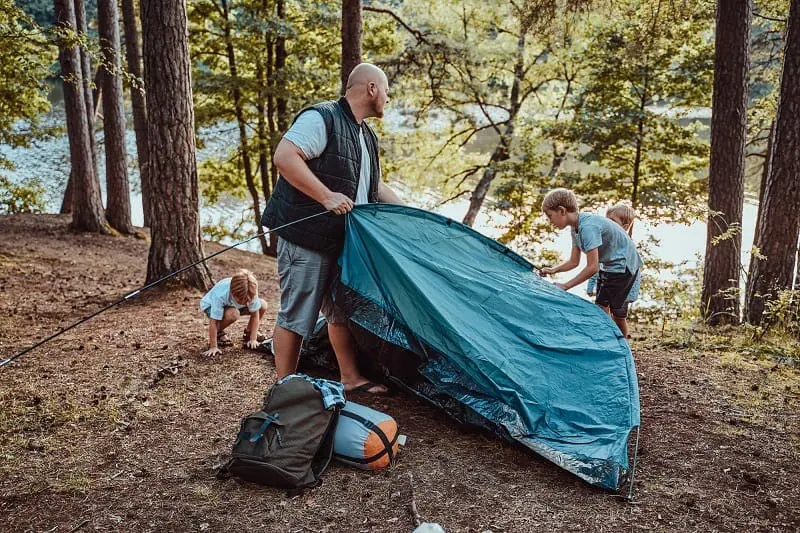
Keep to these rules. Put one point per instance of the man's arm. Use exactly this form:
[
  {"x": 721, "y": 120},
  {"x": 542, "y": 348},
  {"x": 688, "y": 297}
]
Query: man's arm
[
  {"x": 387, "y": 196},
  {"x": 291, "y": 163}
]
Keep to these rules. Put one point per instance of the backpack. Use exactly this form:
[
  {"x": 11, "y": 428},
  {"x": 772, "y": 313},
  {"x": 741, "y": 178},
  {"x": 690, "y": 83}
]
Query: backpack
[{"x": 289, "y": 442}]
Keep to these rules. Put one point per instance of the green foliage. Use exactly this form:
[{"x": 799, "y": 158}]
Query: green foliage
[
  {"x": 312, "y": 31},
  {"x": 25, "y": 197},
  {"x": 41, "y": 11},
  {"x": 25, "y": 58},
  {"x": 222, "y": 177},
  {"x": 646, "y": 67},
  {"x": 781, "y": 316}
]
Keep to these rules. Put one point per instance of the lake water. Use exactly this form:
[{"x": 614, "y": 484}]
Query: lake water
[{"x": 49, "y": 161}]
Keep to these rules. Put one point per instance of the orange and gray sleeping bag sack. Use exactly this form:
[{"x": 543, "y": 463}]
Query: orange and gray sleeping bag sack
[{"x": 365, "y": 438}]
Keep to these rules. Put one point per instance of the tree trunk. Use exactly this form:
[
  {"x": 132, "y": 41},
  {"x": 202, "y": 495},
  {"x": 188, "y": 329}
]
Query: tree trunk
[
  {"x": 780, "y": 224},
  {"x": 720, "y": 299},
  {"x": 754, "y": 259},
  {"x": 501, "y": 151},
  {"x": 175, "y": 224},
  {"x": 66, "y": 202},
  {"x": 238, "y": 108},
  {"x": 263, "y": 151},
  {"x": 86, "y": 69},
  {"x": 277, "y": 118},
  {"x": 351, "y": 38},
  {"x": 87, "y": 207},
  {"x": 280, "y": 63},
  {"x": 118, "y": 197},
  {"x": 133, "y": 54}
]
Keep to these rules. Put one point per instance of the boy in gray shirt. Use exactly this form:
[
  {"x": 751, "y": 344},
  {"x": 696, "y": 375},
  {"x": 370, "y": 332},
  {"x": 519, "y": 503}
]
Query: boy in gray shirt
[{"x": 607, "y": 247}]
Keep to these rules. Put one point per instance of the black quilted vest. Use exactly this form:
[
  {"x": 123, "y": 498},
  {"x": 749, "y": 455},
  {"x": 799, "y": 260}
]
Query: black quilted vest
[{"x": 339, "y": 168}]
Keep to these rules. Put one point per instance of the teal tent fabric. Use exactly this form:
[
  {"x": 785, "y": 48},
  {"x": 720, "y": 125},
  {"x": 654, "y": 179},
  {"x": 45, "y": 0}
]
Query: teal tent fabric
[{"x": 542, "y": 367}]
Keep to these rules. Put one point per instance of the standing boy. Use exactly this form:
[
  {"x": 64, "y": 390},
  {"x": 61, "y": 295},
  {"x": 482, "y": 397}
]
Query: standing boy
[{"x": 607, "y": 247}]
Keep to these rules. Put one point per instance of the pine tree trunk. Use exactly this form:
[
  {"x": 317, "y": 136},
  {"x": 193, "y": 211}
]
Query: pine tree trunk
[
  {"x": 780, "y": 224},
  {"x": 238, "y": 107},
  {"x": 86, "y": 205},
  {"x": 175, "y": 223},
  {"x": 66, "y": 202},
  {"x": 720, "y": 298},
  {"x": 351, "y": 38},
  {"x": 280, "y": 63},
  {"x": 754, "y": 260},
  {"x": 86, "y": 69},
  {"x": 118, "y": 197},
  {"x": 133, "y": 55}
]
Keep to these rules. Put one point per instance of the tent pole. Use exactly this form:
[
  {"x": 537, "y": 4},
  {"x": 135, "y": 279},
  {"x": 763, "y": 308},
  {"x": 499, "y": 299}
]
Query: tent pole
[{"x": 633, "y": 470}]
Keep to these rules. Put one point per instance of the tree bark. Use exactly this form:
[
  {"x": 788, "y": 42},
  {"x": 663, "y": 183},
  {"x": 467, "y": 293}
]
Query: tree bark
[
  {"x": 501, "y": 151},
  {"x": 118, "y": 197},
  {"x": 238, "y": 108},
  {"x": 780, "y": 224},
  {"x": 754, "y": 260},
  {"x": 351, "y": 38},
  {"x": 720, "y": 298},
  {"x": 87, "y": 206},
  {"x": 280, "y": 63},
  {"x": 133, "y": 54},
  {"x": 175, "y": 224},
  {"x": 86, "y": 69}
]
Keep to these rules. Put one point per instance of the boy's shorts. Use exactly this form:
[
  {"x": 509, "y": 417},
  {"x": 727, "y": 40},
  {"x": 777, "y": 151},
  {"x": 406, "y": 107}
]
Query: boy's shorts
[
  {"x": 306, "y": 278},
  {"x": 613, "y": 289},
  {"x": 243, "y": 311}
]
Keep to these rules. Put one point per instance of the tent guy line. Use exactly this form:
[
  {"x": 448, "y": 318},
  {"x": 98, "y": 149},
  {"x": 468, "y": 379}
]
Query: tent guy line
[{"x": 140, "y": 290}]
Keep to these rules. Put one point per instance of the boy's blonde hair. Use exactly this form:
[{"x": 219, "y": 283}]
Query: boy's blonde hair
[
  {"x": 560, "y": 198},
  {"x": 624, "y": 212},
  {"x": 244, "y": 286}
]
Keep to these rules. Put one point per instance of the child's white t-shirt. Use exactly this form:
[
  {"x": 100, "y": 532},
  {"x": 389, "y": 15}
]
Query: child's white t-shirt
[{"x": 219, "y": 297}]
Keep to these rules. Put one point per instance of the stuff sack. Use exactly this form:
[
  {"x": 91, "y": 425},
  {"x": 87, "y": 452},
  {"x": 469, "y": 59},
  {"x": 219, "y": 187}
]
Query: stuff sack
[
  {"x": 365, "y": 438},
  {"x": 289, "y": 442}
]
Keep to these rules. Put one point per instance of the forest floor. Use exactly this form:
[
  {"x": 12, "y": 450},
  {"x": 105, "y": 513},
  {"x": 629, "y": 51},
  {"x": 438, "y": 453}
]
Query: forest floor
[{"x": 119, "y": 423}]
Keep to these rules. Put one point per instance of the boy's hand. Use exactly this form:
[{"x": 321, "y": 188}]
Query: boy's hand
[
  {"x": 547, "y": 271},
  {"x": 251, "y": 345},
  {"x": 211, "y": 352},
  {"x": 561, "y": 285}
]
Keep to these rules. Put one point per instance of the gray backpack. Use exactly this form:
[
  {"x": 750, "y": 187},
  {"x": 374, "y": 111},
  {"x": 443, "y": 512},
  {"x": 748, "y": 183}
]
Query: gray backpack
[{"x": 288, "y": 443}]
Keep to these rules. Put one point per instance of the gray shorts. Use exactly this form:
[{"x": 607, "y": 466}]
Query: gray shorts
[{"x": 306, "y": 277}]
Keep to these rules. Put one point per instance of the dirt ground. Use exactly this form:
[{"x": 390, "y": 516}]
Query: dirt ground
[{"x": 119, "y": 424}]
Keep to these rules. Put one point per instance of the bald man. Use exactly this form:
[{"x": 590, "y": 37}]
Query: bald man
[{"x": 328, "y": 161}]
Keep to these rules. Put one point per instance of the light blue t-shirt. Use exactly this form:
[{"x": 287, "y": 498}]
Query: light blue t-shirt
[
  {"x": 219, "y": 297},
  {"x": 616, "y": 250},
  {"x": 310, "y": 135}
]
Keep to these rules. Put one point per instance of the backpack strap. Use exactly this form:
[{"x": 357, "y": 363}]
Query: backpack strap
[
  {"x": 378, "y": 431},
  {"x": 268, "y": 419}
]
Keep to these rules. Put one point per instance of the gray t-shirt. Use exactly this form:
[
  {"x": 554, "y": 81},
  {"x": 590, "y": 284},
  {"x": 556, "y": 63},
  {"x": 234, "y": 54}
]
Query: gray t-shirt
[
  {"x": 616, "y": 250},
  {"x": 309, "y": 134}
]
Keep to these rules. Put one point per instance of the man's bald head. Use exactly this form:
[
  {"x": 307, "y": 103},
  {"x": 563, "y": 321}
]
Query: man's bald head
[
  {"x": 367, "y": 91},
  {"x": 364, "y": 73}
]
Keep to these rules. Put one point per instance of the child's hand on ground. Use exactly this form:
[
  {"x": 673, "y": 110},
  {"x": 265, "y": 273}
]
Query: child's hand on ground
[
  {"x": 560, "y": 285},
  {"x": 251, "y": 345},
  {"x": 211, "y": 352},
  {"x": 547, "y": 271}
]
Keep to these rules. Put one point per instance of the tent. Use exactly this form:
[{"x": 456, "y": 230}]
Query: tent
[{"x": 466, "y": 323}]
